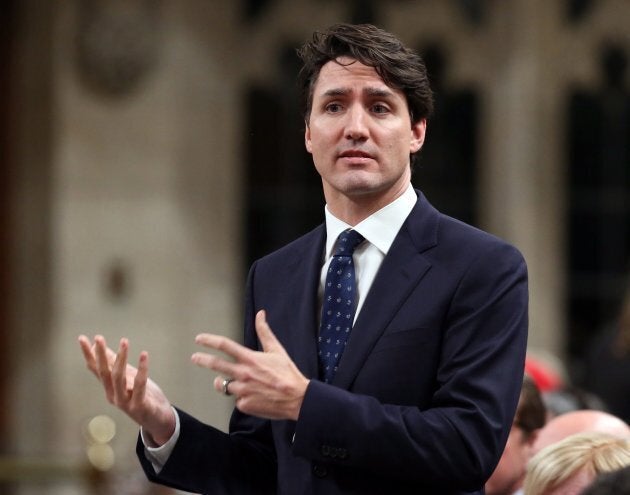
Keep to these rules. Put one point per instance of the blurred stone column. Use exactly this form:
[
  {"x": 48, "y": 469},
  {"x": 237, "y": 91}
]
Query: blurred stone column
[{"x": 521, "y": 181}]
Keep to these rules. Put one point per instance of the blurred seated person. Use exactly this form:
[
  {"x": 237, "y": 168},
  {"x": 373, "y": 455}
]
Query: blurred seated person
[
  {"x": 569, "y": 466},
  {"x": 613, "y": 483},
  {"x": 568, "y": 398},
  {"x": 581, "y": 421},
  {"x": 559, "y": 395},
  {"x": 507, "y": 478},
  {"x": 546, "y": 369}
]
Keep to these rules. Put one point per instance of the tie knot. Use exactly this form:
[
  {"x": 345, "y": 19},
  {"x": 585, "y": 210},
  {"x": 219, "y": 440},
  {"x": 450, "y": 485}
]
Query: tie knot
[{"x": 347, "y": 242}]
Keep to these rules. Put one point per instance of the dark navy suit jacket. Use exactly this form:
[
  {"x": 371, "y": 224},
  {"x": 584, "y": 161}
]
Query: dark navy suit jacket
[{"x": 426, "y": 389}]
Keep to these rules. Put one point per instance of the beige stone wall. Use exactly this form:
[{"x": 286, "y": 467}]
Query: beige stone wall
[{"x": 150, "y": 180}]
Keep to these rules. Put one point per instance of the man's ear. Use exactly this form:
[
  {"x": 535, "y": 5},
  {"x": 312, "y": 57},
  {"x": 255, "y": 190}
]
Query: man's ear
[
  {"x": 531, "y": 440},
  {"x": 418, "y": 131},
  {"x": 307, "y": 138}
]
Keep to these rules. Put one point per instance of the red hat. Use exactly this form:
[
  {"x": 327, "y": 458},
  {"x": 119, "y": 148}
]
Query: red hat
[{"x": 544, "y": 376}]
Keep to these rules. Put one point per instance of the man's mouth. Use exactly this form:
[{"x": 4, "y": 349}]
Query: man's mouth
[{"x": 354, "y": 154}]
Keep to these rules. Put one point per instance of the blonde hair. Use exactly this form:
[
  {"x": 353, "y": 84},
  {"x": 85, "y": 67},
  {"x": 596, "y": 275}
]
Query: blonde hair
[{"x": 594, "y": 451}]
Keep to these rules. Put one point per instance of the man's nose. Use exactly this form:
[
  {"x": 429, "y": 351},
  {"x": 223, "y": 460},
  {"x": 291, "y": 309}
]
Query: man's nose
[{"x": 356, "y": 124}]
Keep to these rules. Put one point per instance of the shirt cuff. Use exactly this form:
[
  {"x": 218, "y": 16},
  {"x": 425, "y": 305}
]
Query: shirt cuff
[{"x": 159, "y": 455}]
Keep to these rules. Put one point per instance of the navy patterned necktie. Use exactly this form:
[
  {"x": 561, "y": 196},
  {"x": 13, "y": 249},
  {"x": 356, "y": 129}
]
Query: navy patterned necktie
[{"x": 339, "y": 304}]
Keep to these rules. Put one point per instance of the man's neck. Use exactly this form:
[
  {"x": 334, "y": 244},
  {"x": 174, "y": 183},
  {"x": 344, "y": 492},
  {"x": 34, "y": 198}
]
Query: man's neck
[{"x": 354, "y": 209}]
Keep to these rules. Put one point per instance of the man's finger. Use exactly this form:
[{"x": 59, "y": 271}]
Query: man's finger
[
  {"x": 266, "y": 336},
  {"x": 100, "y": 353},
  {"x": 140, "y": 380},
  {"x": 88, "y": 354},
  {"x": 119, "y": 375},
  {"x": 218, "y": 385},
  {"x": 225, "y": 345},
  {"x": 217, "y": 364},
  {"x": 103, "y": 369}
]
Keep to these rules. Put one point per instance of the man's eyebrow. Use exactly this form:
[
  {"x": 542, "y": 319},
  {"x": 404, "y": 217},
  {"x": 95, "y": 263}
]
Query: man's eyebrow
[
  {"x": 336, "y": 92},
  {"x": 370, "y": 91},
  {"x": 379, "y": 92}
]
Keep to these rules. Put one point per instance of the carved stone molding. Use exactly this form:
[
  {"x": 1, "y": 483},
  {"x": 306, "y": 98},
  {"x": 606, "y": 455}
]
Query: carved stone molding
[{"x": 117, "y": 43}]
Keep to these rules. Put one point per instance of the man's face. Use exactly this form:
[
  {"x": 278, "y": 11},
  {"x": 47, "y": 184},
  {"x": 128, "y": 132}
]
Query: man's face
[
  {"x": 360, "y": 133},
  {"x": 510, "y": 472}
]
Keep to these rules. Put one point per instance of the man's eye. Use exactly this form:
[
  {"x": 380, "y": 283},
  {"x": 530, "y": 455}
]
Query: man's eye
[
  {"x": 333, "y": 107},
  {"x": 378, "y": 108}
]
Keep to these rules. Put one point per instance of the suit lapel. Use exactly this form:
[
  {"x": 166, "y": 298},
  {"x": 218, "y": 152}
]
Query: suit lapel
[
  {"x": 303, "y": 272},
  {"x": 401, "y": 271}
]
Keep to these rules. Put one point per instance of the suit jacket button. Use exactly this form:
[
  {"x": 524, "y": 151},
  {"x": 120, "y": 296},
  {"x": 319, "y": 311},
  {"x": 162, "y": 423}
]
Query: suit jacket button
[
  {"x": 320, "y": 471},
  {"x": 343, "y": 453},
  {"x": 325, "y": 450}
]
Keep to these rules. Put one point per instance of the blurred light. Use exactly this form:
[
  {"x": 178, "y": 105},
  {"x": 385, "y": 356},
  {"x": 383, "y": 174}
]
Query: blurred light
[
  {"x": 101, "y": 429},
  {"x": 101, "y": 456}
]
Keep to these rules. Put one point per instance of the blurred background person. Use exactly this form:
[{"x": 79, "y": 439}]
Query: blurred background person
[
  {"x": 570, "y": 398},
  {"x": 559, "y": 394},
  {"x": 613, "y": 483},
  {"x": 507, "y": 478},
  {"x": 581, "y": 421},
  {"x": 568, "y": 466}
]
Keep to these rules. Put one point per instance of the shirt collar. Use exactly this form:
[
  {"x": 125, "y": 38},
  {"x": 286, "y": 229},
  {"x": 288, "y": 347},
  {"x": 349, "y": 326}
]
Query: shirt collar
[{"x": 380, "y": 228}]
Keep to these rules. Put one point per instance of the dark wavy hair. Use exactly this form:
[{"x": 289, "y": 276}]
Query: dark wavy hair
[
  {"x": 531, "y": 413},
  {"x": 400, "y": 67}
]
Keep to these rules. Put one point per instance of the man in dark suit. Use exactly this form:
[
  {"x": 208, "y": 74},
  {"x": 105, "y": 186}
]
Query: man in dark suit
[{"x": 418, "y": 395}]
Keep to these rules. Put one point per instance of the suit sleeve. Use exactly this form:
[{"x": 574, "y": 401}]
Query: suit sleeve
[
  {"x": 207, "y": 460},
  {"x": 458, "y": 439}
]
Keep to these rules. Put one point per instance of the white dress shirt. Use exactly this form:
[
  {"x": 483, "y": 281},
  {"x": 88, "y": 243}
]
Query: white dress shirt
[{"x": 379, "y": 229}]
